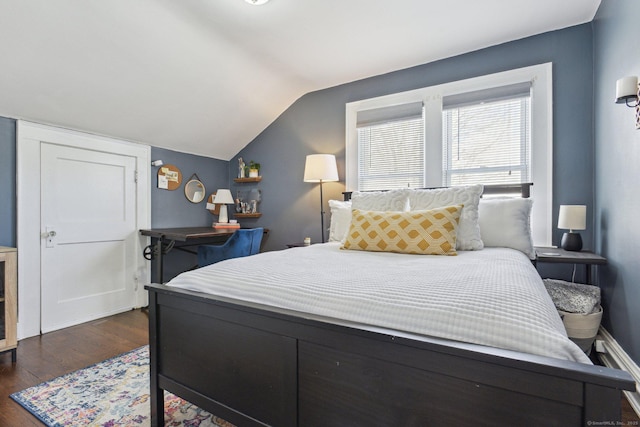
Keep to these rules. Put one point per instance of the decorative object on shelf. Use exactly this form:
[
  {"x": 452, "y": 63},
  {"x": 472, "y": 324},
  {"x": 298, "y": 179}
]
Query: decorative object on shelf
[
  {"x": 241, "y": 168},
  {"x": 321, "y": 168},
  {"x": 246, "y": 202},
  {"x": 169, "y": 177},
  {"x": 572, "y": 217},
  {"x": 254, "y": 169},
  {"x": 255, "y": 197},
  {"x": 223, "y": 198},
  {"x": 628, "y": 93},
  {"x": 194, "y": 189}
]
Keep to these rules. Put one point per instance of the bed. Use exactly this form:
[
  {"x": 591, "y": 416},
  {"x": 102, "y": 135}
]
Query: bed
[{"x": 278, "y": 339}]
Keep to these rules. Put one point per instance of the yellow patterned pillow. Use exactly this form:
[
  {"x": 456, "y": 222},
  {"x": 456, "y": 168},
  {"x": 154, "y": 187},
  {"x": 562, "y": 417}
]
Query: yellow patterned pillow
[{"x": 430, "y": 232}]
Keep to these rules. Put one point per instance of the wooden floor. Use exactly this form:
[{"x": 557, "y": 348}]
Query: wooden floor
[
  {"x": 57, "y": 353},
  {"x": 60, "y": 352}
]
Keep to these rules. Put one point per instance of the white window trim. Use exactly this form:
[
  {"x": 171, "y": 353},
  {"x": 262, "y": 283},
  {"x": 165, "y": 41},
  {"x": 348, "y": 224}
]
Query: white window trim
[{"x": 541, "y": 134}]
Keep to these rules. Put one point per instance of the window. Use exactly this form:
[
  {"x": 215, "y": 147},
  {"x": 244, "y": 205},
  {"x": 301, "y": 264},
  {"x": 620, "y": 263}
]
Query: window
[
  {"x": 486, "y": 136},
  {"x": 391, "y": 147},
  {"x": 493, "y": 129}
]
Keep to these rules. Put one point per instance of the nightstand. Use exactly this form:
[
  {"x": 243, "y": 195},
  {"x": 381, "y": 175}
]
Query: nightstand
[
  {"x": 296, "y": 245},
  {"x": 560, "y": 256}
]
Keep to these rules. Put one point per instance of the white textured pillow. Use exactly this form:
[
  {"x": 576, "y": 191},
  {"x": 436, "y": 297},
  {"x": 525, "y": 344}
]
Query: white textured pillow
[
  {"x": 506, "y": 223},
  {"x": 468, "y": 231},
  {"x": 340, "y": 220},
  {"x": 383, "y": 201}
]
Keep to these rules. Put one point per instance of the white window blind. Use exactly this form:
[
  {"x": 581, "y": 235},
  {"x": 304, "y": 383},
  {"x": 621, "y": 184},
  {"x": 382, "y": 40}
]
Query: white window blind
[
  {"x": 487, "y": 136},
  {"x": 391, "y": 147}
]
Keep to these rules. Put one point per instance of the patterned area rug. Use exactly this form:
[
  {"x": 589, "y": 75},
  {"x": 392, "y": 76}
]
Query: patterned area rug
[{"x": 111, "y": 393}]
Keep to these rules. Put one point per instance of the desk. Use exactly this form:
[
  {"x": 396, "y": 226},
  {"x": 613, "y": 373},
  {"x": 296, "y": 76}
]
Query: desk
[
  {"x": 560, "y": 256},
  {"x": 166, "y": 239}
]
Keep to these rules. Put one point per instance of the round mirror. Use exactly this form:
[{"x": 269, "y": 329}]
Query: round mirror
[{"x": 194, "y": 191}]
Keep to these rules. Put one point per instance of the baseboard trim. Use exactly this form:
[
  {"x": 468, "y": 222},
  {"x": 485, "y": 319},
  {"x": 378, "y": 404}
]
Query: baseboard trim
[{"x": 614, "y": 356}]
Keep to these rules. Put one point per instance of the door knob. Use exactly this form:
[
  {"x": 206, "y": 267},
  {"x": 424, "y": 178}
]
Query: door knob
[{"x": 49, "y": 234}]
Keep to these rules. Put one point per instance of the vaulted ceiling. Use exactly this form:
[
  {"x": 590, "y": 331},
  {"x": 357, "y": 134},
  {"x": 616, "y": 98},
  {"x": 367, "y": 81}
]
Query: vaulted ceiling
[{"x": 207, "y": 76}]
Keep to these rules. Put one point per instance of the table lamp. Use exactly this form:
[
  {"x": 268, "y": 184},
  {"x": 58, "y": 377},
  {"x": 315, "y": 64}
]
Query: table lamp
[
  {"x": 223, "y": 198},
  {"x": 572, "y": 217},
  {"x": 321, "y": 168}
]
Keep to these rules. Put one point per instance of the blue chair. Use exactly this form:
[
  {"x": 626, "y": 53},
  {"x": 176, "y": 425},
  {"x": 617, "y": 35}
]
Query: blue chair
[{"x": 243, "y": 242}]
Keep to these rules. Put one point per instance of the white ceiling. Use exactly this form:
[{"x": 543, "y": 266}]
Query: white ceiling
[{"x": 207, "y": 76}]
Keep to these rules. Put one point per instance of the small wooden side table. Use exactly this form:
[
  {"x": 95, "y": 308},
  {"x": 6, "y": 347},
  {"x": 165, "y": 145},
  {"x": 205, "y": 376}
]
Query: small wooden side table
[
  {"x": 560, "y": 256},
  {"x": 296, "y": 245}
]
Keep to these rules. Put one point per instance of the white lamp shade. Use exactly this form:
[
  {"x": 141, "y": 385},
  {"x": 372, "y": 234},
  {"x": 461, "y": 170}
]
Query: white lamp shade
[
  {"x": 320, "y": 168},
  {"x": 224, "y": 197},
  {"x": 626, "y": 87},
  {"x": 572, "y": 217}
]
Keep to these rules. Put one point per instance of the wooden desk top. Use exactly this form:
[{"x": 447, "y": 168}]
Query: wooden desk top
[{"x": 182, "y": 234}]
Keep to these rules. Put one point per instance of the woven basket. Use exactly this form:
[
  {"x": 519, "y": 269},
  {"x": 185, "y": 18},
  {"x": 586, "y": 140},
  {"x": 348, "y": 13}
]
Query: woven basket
[{"x": 582, "y": 328}]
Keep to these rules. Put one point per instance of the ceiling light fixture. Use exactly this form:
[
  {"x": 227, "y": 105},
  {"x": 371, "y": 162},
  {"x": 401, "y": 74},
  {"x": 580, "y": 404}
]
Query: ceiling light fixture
[{"x": 256, "y": 2}]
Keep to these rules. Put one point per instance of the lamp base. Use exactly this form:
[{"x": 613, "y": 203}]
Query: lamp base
[
  {"x": 223, "y": 216},
  {"x": 571, "y": 242}
]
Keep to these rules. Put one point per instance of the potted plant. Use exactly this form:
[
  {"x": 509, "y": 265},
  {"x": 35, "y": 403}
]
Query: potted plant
[{"x": 254, "y": 169}]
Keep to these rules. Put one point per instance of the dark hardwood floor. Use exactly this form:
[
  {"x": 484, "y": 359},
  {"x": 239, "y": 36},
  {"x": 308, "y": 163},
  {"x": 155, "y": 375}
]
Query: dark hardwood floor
[{"x": 57, "y": 353}]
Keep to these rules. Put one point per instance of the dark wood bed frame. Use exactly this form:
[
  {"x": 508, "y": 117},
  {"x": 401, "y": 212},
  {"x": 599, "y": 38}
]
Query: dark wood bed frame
[{"x": 259, "y": 366}]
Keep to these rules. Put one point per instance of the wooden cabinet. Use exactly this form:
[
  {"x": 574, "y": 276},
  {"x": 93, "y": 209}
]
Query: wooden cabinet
[{"x": 8, "y": 301}]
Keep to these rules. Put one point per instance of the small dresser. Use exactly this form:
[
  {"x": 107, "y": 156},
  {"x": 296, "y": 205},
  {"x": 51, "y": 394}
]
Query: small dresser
[{"x": 8, "y": 301}]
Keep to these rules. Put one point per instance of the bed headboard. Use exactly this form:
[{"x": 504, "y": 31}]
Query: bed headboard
[{"x": 523, "y": 189}]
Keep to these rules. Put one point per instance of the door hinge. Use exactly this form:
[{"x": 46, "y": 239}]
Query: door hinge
[
  {"x": 135, "y": 176},
  {"x": 136, "y": 280}
]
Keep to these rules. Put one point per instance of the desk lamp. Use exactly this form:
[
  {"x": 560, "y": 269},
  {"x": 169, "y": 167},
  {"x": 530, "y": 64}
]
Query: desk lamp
[
  {"x": 223, "y": 198},
  {"x": 572, "y": 217}
]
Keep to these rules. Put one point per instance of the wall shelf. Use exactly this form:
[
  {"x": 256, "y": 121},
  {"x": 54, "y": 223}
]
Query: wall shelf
[
  {"x": 254, "y": 179},
  {"x": 248, "y": 215}
]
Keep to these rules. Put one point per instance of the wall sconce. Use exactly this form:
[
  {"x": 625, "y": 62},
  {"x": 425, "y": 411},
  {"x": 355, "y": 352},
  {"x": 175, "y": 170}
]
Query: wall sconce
[{"x": 628, "y": 93}]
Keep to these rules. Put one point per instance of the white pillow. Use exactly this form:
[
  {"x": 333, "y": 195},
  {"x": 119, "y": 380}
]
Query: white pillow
[
  {"x": 340, "y": 220},
  {"x": 384, "y": 201},
  {"x": 468, "y": 231},
  {"x": 506, "y": 223}
]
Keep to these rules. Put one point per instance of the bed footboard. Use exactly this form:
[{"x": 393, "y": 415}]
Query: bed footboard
[{"x": 257, "y": 367}]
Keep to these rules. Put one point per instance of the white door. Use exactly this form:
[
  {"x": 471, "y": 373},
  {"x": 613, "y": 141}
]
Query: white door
[{"x": 88, "y": 223}]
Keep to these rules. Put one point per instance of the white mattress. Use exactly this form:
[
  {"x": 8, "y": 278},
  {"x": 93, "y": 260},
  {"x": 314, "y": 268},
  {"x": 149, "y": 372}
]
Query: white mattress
[{"x": 492, "y": 297}]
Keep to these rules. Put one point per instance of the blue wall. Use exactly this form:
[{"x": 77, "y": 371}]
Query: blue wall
[
  {"x": 172, "y": 209},
  {"x": 7, "y": 182},
  {"x": 617, "y": 153},
  {"x": 316, "y": 124}
]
